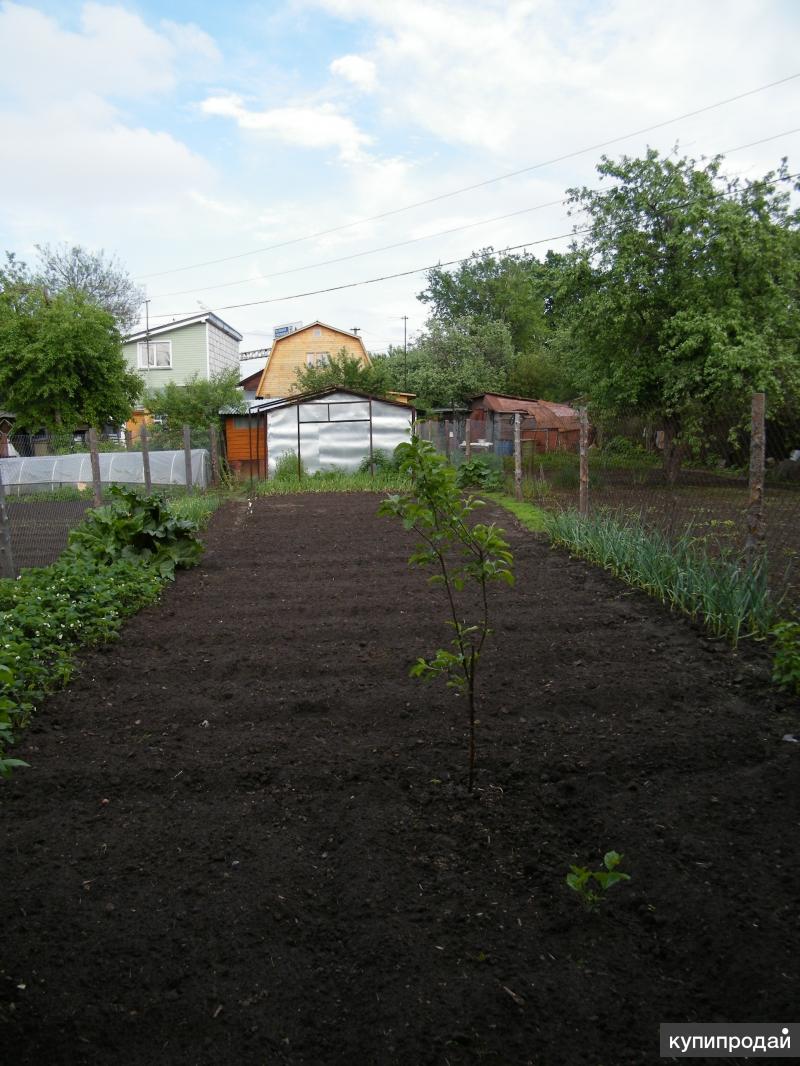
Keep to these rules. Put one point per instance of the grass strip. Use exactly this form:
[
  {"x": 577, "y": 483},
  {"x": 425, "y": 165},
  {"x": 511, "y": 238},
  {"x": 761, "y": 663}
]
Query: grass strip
[{"x": 532, "y": 517}]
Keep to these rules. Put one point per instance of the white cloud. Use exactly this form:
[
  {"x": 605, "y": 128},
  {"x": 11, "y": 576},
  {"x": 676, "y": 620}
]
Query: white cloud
[
  {"x": 357, "y": 70},
  {"x": 306, "y": 127},
  {"x": 67, "y": 151},
  {"x": 509, "y": 77},
  {"x": 114, "y": 53},
  {"x": 80, "y": 151}
]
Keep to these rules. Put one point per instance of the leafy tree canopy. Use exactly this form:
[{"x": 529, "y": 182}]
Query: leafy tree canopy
[
  {"x": 61, "y": 361},
  {"x": 451, "y": 361},
  {"x": 102, "y": 280},
  {"x": 345, "y": 371},
  {"x": 198, "y": 402},
  {"x": 684, "y": 294},
  {"x": 516, "y": 290}
]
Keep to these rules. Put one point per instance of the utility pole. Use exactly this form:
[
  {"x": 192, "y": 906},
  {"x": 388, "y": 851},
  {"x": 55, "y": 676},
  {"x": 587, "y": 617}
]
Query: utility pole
[
  {"x": 405, "y": 352},
  {"x": 147, "y": 333}
]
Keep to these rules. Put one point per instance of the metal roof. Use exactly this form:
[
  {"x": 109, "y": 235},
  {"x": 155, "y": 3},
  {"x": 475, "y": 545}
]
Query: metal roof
[
  {"x": 547, "y": 415},
  {"x": 179, "y": 323},
  {"x": 309, "y": 397}
]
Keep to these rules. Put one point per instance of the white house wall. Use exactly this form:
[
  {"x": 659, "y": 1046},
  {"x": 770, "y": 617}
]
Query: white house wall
[
  {"x": 335, "y": 431},
  {"x": 223, "y": 351}
]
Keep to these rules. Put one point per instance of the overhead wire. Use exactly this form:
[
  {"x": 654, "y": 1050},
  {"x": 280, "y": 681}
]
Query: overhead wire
[
  {"x": 481, "y": 184},
  {"x": 416, "y": 240},
  {"x": 575, "y": 232}
]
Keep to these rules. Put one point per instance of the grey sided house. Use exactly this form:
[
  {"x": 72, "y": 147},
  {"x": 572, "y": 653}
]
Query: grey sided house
[{"x": 201, "y": 345}]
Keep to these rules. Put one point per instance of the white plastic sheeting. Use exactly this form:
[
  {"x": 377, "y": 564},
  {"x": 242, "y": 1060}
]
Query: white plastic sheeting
[
  {"x": 44, "y": 473},
  {"x": 334, "y": 431}
]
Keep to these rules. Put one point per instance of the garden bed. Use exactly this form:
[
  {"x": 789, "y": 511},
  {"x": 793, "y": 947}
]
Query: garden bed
[{"x": 245, "y": 838}]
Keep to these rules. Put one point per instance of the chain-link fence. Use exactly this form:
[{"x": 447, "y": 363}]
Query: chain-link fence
[
  {"x": 49, "y": 480},
  {"x": 703, "y": 490}
]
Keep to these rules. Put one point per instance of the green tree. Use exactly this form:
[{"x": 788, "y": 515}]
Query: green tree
[
  {"x": 102, "y": 280},
  {"x": 197, "y": 403},
  {"x": 451, "y": 361},
  {"x": 61, "y": 361},
  {"x": 512, "y": 289},
  {"x": 683, "y": 297},
  {"x": 345, "y": 371},
  {"x": 462, "y": 552}
]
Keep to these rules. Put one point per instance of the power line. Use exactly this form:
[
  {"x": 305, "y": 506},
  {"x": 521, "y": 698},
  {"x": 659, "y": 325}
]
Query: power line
[
  {"x": 373, "y": 281},
  {"x": 358, "y": 255},
  {"x": 480, "y": 184},
  {"x": 425, "y": 237},
  {"x": 420, "y": 270}
]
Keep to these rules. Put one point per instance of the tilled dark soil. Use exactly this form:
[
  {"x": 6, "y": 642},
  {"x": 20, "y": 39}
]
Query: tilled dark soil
[{"x": 245, "y": 838}]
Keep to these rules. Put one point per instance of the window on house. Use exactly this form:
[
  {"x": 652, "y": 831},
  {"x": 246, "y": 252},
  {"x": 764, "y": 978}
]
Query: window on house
[
  {"x": 317, "y": 331},
  {"x": 323, "y": 358},
  {"x": 157, "y": 355},
  {"x": 309, "y": 358}
]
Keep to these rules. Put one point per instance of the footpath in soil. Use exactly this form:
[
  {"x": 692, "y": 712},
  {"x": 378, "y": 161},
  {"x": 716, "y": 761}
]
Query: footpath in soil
[{"x": 244, "y": 837}]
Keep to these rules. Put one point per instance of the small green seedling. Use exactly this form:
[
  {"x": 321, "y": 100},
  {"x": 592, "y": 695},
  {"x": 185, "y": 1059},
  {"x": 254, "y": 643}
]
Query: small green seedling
[{"x": 581, "y": 880}]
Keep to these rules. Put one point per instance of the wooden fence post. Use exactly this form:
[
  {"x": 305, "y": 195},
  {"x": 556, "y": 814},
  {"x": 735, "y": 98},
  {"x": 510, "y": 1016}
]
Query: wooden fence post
[
  {"x": 7, "y": 568},
  {"x": 214, "y": 436},
  {"x": 583, "y": 499},
  {"x": 754, "y": 544},
  {"x": 187, "y": 456},
  {"x": 94, "y": 454},
  {"x": 467, "y": 440},
  {"x": 518, "y": 455},
  {"x": 128, "y": 439},
  {"x": 148, "y": 484}
]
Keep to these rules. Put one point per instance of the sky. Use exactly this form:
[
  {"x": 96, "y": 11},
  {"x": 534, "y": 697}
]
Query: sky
[{"x": 240, "y": 155}]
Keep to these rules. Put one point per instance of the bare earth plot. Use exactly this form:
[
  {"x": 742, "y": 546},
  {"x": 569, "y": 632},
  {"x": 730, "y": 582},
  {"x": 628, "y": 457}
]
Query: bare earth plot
[{"x": 244, "y": 837}]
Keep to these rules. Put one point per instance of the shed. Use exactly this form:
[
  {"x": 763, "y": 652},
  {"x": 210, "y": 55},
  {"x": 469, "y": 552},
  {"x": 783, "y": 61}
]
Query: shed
[
  {"x": 333, "y": 429},
  {"x": 548, "y": 426}
]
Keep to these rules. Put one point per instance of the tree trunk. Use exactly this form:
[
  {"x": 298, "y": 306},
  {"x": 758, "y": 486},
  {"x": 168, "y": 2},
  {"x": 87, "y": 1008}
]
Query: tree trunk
[{"x": 674, "y": 450}]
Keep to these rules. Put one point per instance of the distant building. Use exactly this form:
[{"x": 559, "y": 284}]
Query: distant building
[{"x": 305, "y": 346}]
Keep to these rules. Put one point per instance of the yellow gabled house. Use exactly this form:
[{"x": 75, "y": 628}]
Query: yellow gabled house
[{"x": 311, "y": 345}]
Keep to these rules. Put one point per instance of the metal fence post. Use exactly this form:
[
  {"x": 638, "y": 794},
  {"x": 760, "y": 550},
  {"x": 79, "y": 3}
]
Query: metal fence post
[
  {"x": 214, "y": 436},
  {"x": 187, "y": 455},
  {"x": 755, "y": 508},
  {"x": 583, "y": 498},
  {"x": 148, "y": 484},
  {"x": 518, "y": 455},
  {"x": 7, "y": 568},
  {"x": 94, "y": 454}
]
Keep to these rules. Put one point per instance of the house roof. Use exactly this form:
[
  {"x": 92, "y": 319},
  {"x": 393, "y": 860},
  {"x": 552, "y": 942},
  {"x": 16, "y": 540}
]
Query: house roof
[
  {"x": 308, "y": 397},
  {"x": 180, "y": 323},
  {"x": 345, "y": 333},
  {"x": 250, "y": 383},
  {"x": 287, "y": 336},
  {"x": 548, "y": 415}
]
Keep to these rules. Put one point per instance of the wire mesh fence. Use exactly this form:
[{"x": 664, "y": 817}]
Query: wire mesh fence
[
  {"x": 703, "y": 492},
  {"x": 49, "y": 480}
]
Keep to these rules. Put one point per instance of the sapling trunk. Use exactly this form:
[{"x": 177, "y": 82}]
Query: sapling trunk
[{"x": 436, "y": 511}]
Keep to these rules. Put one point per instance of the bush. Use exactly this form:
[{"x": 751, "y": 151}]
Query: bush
[
  {"x": 50, "y": 612},
  {"x": 286, "y": 468},
  {"x": 480, "y": 474},
  {"x": 380, "y": 460},
  {"x": 134, "y": 526},
  {"x": 118, "y": 560},
  {"x": 786, "y": 652}
]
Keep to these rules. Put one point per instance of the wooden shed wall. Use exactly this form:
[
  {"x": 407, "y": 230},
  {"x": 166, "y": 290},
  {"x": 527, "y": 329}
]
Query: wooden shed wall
[{"x": 245, "y": 439}]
